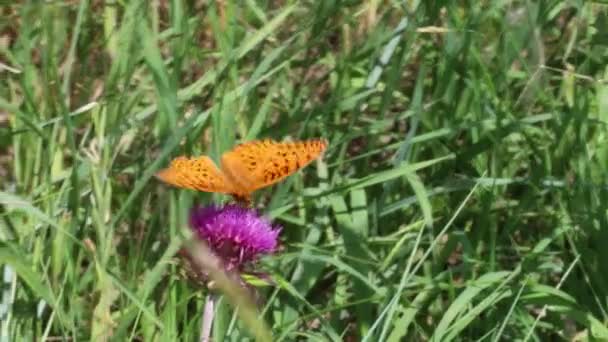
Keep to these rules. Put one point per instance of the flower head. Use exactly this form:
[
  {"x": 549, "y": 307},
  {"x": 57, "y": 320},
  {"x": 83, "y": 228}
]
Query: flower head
[{"x": 235, "y": 234}]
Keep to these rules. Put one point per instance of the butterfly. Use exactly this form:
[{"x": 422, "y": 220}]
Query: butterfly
[{"x": 244, "y": 169}]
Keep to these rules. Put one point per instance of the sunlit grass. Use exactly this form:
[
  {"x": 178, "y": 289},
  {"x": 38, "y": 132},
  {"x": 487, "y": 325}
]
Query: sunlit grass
[{"x": 463, "y": 195}]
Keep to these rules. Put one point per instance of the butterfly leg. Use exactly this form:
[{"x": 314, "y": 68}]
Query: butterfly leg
[{"x": 242, "y": 200}]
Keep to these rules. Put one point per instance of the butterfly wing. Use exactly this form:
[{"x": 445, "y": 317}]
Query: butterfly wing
[
  {"x": 257, "y": 164},
  {"x": 197, "y": 174}
]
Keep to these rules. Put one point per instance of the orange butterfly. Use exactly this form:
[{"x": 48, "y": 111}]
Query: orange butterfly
[{"x": 244, "y": 169}]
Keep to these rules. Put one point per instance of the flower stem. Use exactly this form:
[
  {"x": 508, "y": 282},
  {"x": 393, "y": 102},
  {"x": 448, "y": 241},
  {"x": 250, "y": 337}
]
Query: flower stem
[{"x": 208, "y": 313}]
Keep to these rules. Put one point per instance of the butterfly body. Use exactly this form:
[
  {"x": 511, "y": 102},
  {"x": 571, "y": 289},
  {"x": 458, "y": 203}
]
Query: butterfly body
[{"x": 246, "y": 168}]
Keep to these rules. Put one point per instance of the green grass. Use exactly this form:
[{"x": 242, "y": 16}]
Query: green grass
[{"x": 464, "y": 195}]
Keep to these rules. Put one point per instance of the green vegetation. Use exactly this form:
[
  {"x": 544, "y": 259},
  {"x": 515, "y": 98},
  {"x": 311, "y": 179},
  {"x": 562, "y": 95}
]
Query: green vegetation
[{"x": 464, "y": 195}]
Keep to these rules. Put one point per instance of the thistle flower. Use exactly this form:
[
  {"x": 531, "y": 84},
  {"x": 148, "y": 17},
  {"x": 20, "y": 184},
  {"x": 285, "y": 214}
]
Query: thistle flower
[{"x": 236, "y": 235}]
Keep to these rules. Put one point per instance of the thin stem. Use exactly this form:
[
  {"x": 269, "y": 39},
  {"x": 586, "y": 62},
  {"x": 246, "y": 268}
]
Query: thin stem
[{"x": 208, "y": 313}]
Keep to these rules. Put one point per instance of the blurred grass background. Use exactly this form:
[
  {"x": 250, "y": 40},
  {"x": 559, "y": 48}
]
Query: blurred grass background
[{"x": 463, "y": 196}]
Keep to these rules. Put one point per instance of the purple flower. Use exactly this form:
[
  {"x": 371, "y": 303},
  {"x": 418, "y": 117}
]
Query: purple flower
[{"x": 235, "y": 234}]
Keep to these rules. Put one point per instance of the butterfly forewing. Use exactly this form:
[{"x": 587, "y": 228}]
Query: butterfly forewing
[
  {"x": 197, "y": 174},
  {"x": 258, "y": 164}
]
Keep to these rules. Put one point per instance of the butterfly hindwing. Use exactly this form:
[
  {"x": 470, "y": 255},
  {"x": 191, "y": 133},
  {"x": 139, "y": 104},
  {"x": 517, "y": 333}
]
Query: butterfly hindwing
[{"x": 199, "y": 173}]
